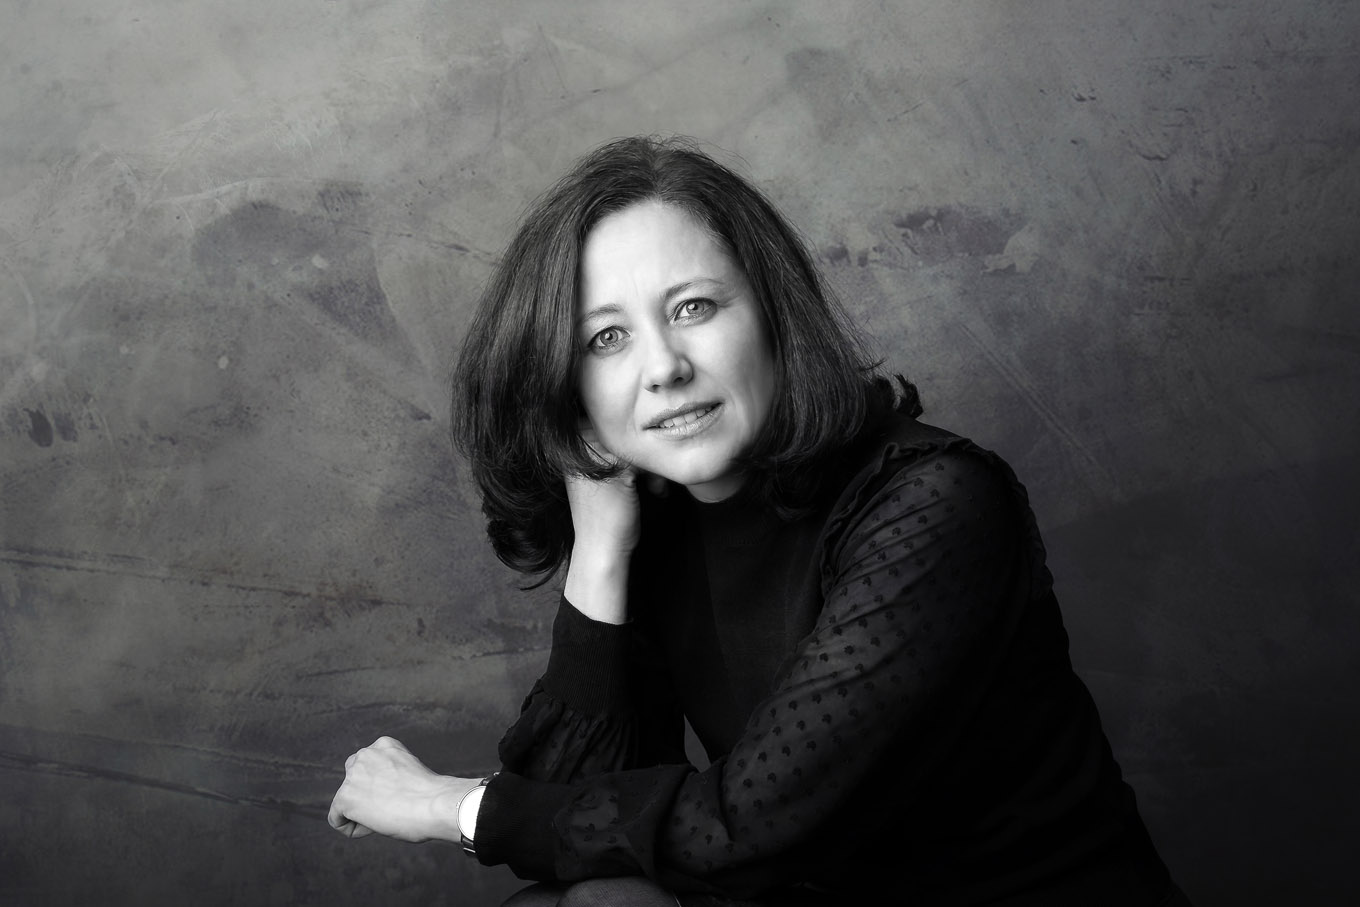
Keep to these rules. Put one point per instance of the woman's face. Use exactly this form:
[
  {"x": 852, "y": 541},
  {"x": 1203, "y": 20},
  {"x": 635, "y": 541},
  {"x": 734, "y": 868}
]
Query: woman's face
[{"x": 677, "y": 376}]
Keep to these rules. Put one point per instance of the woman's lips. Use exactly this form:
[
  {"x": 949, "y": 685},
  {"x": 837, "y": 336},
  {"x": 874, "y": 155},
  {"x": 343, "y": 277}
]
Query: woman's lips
[{"x": 686, "y": 422}]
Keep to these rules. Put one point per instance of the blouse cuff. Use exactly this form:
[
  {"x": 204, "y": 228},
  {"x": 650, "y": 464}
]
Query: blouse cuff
[
  {"x": 588, "y": 666},
  {"x": 515, "y": 825}
]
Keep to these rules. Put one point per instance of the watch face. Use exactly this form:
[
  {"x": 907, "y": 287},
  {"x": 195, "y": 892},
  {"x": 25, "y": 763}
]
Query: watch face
[{"x": 468, "y": 808}]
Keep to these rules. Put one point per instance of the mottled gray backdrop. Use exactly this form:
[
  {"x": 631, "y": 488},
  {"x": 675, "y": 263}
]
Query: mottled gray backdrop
[{"x": 239, "y": 242}]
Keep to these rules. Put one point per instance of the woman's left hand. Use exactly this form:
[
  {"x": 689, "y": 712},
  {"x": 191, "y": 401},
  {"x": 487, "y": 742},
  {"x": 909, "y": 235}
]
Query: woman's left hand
[{"x": 389, "y": 791}]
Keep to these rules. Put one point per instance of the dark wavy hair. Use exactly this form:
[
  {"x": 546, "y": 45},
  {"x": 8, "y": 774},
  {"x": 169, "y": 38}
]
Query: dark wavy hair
[{"x": 515, "y": 400}]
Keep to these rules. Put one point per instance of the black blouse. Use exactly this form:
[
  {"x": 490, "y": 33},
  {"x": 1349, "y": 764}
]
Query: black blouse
[{"x": 882, "y": 687}]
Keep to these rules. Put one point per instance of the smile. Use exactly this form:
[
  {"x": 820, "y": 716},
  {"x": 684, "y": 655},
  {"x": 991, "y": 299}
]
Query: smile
[{"x": 690, "y": 421}]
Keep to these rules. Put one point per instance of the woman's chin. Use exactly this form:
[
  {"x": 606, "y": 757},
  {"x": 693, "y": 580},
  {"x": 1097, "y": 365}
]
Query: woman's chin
[
  {"x": 712, "y": 488},
  {"x": 708, "y": 475}
]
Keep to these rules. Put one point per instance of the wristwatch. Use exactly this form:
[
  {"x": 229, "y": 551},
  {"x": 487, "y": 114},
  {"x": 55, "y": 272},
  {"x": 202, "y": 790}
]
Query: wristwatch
[{"x": 468, "y": 806}]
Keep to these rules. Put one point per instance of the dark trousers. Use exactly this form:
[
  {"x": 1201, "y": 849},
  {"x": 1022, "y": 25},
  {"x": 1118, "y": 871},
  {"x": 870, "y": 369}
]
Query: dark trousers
[{"x": 633, "y": 891}]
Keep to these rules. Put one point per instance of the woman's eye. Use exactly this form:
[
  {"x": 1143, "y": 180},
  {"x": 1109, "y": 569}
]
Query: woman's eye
[
  {"x": 693, "y": 308},
  {"x": 606, "y": 339}
]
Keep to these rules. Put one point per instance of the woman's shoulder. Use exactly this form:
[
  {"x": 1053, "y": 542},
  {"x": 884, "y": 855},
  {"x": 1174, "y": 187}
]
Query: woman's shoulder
[
  {"x": 906, "y": 433},
  {"x": 899, "y": 452},
  {"x": 904, "y": 466},
  {"x": 893, "y": 431},
  {"x": 898, "y": 441}
]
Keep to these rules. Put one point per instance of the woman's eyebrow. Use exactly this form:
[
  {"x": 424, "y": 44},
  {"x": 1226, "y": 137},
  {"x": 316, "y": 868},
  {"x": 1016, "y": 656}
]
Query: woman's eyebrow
[
  {"x": 676, "y": 289},
  {"x": 609, "y": 308}
]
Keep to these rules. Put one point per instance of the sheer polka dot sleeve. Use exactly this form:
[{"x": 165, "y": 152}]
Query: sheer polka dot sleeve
[
  {"x": 918, "y": 579},
  {"x": 916, "y": 608}
]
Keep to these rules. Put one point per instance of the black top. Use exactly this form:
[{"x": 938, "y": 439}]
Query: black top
[{"x": 883, "y": 688}]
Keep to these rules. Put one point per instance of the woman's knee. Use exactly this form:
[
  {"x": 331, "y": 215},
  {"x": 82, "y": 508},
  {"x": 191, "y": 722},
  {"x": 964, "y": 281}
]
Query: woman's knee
[
  {"x": 617, "y": 892},
  {"x": 539, "y": 895}
]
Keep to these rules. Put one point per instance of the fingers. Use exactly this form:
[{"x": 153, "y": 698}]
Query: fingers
[
  {"x": 654, "y": 484},
  {"x": 382, "y": 743},
  {"x": 351, "y": 829},
  {"x": 598, "y": 452},
  {"x": 591, "y": 438},
  {"x": 336, "y": 817}
]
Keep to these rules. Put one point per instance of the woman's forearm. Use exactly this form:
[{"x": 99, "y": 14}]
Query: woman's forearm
[{"x": 597, "y": 585}]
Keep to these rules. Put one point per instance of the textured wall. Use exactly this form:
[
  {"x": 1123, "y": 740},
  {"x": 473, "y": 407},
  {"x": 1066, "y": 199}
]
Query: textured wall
[{"x": 239, "y": 243}]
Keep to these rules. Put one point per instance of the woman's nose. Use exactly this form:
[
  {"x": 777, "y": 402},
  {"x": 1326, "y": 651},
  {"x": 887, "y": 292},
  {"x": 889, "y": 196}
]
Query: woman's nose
[{"x": 666, "y": 366}]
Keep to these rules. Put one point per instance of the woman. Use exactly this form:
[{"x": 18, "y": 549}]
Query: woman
[{"x": 850, "y": 607}]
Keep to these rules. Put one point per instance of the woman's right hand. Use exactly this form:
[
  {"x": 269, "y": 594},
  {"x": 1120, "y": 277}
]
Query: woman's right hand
[
  {"x": 606, "y": 519},
  {"x": 389, "y": 791}
]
